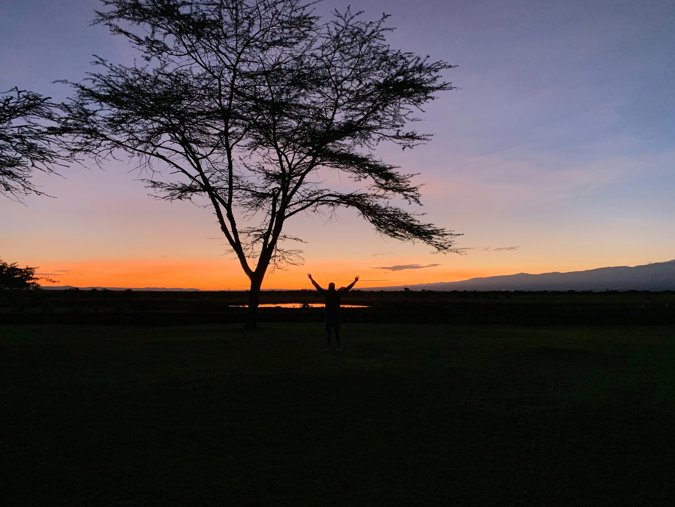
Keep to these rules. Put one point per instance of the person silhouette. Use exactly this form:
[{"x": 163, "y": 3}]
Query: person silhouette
[{"x": 332, "y": 298}]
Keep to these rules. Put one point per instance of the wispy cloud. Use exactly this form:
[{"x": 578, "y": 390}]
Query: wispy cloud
[
  {"x": 505, "y": 248},
  {"x": 56, "y": 272},
  {"x": 403, "y": 267}
]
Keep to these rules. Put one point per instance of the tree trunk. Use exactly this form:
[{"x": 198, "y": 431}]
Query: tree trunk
[{"x": 253, "y": 301}]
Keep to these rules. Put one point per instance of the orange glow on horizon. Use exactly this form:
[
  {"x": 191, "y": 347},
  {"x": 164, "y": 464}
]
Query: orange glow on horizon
[
  {"x": 226, "y": 274},
  {"x": 203, "y": 274}
]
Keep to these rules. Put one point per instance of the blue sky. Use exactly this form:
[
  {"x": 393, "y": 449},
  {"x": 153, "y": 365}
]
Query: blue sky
[{"x": 556, "y": 153}]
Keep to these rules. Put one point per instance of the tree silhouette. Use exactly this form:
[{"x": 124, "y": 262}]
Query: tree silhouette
[
  {"x": 14, "y": 277},
  {"x": 247, "y": 105},
  {"x": 28, "y": 137}
]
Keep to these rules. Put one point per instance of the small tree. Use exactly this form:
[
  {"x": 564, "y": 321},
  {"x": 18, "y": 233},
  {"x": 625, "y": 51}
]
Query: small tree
[
  {"x": 14, "y": 277},
  {"x": 27, "y": 141},
  {"x": 248, "y": 104}
]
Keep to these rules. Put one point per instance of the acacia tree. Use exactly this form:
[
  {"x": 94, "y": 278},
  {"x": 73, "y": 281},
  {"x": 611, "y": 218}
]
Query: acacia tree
[
  {"x": 248, "y": 104},
  {"x": 28, "y": 135},
  {"x": 14, "y": 277}
]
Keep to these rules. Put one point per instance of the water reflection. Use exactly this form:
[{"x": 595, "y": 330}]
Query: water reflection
[{"x": 297, "y": 305}]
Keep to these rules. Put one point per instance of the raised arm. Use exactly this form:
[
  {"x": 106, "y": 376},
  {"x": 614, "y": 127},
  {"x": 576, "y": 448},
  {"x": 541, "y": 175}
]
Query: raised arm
[
  {"x": 316, "y": 285},
  {"x": 349, "y": 287}
]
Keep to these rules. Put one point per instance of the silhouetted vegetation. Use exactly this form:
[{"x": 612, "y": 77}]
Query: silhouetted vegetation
[
  {"x": 27, "y": 141},
  {"x": 522, "y": 308},
  {"x": 247, "y": 106},
  {"x": 14, "y": 277}
]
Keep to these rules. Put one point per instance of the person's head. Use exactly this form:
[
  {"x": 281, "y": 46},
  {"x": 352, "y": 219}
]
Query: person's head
[{"x": 331, "y": 286}]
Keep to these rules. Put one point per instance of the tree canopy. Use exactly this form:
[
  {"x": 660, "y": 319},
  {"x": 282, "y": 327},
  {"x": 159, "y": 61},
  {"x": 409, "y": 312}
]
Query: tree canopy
[
  {"x": 249, "y": 105},
  {"x": 28, "y": 134},
  {"x": 14, "y": 277}
]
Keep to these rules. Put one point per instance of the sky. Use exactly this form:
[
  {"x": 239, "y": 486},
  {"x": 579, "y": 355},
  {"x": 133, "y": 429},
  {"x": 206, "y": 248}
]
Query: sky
[{"x": 555, "y": 153}]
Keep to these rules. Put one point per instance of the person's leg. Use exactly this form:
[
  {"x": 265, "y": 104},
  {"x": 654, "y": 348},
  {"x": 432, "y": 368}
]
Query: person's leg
[
  {"x": 336, "y": 325},
  {"x": 328, "y": 326}
]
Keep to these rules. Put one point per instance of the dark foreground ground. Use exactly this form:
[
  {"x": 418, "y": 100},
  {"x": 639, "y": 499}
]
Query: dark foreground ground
[{"x": 407, "y": 414}]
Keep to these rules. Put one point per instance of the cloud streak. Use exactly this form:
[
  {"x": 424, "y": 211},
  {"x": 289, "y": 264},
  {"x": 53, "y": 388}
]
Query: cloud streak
[
  {"x": 56, "y": 272},
  {"x": 502, "y": 249},
  {"x": 404, "y": 267}
]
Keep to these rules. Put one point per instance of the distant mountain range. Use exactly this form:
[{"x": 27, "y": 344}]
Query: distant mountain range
[
  {"x": 657, "y": 276},
  {"x": 649, "y": 277}
]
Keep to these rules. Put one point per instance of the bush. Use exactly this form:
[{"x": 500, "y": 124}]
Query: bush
[{"x": 14, "y": 277}]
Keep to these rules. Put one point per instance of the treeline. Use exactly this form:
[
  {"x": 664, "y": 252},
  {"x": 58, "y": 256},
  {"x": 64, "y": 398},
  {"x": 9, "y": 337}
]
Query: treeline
[{"x": 157, "y": 308}]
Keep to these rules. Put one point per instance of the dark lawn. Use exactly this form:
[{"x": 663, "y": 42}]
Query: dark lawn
[{"x": 406, "y": 415}]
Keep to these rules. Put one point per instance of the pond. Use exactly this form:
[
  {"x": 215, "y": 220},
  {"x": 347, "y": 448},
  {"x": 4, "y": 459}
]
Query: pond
[{"x": 298, "y": 305}]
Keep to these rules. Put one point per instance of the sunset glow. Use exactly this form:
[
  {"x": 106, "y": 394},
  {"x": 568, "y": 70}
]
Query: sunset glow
[
  {"x": 217, "y": 274},
  {"x": 556, "y": 154}
]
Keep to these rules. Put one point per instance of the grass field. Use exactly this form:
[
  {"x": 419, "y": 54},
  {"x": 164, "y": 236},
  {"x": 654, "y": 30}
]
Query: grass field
[{"x": 405, "y": 415}]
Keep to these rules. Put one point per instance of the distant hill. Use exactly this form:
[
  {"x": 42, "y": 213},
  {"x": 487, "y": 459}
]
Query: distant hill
[{"x": 649, "y": 277}]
